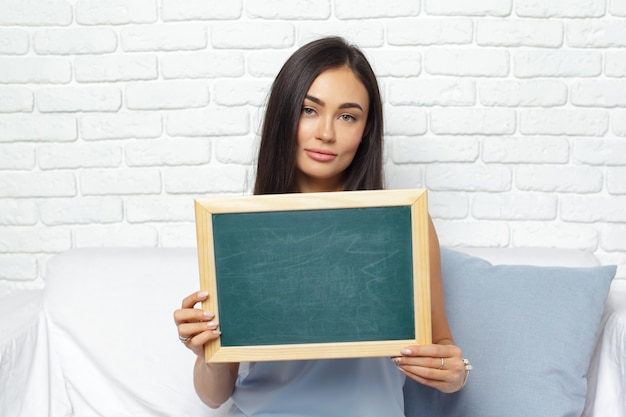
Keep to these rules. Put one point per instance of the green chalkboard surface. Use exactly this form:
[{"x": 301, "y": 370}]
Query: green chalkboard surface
[{"x": 314, "y": 276}]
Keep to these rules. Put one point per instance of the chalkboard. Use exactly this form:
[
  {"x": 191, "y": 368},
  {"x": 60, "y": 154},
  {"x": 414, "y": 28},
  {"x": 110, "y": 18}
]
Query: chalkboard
[{"x": 318, "y": 275}]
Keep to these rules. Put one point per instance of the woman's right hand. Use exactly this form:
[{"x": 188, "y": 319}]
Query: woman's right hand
[{"x": 196, "y": 326}]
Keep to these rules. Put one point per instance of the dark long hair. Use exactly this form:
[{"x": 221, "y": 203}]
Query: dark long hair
[{"x": 276, "y": 165}]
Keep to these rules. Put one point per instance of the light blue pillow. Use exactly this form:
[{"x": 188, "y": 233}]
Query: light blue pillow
[{"x": 528, "y": 331}]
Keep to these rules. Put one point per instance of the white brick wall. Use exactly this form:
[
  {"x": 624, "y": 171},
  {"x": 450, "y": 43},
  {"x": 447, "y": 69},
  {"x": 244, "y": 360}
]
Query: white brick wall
[{"x": 114, "y": 115}]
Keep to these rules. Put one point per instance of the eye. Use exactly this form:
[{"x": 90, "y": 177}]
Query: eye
[
  {"x": 347, "y": 117},
  {"x": 308, "y": 110}
]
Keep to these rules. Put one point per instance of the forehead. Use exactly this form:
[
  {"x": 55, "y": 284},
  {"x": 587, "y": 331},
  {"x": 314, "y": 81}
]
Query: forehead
[{"x": 339, "y": 84}]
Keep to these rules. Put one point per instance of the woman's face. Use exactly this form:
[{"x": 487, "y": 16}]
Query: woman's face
[{"x": 331, "y": 125}]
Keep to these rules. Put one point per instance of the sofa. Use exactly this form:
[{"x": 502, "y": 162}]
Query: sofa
[{"x": 100, "y": 340}]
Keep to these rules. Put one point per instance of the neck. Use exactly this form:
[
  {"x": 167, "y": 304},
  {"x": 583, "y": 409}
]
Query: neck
[{"x": 310, "y": 185}]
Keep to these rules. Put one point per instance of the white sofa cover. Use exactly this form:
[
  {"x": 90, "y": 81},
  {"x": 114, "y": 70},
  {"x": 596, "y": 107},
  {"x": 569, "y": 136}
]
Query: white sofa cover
[{"x": 100, "y": 339}]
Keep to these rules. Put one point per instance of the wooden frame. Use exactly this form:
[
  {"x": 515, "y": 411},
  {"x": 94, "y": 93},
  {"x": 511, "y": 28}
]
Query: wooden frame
[{"x": 207, "y": 210}]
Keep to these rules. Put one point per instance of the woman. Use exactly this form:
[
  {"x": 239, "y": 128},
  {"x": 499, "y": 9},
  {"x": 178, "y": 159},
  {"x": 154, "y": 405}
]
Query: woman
[{"x": 323, "y": 132}]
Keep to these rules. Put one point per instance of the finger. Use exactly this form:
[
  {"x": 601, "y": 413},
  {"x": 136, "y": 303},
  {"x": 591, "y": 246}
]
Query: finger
[
  {"x": 192, "y": 315},
  {"x": 424, "y": 362},
  {"x": 452, "y": 364},
  {"x": 192, "y": 299},
  {"x": 197, "y": 342},
  {"x": 192, "y": 329}
]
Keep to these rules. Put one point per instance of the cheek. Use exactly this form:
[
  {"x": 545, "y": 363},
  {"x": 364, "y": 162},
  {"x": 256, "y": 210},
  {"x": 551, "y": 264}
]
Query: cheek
[
  {"x": 304, "y": 131},
  {"x": 353, "y": 140}
]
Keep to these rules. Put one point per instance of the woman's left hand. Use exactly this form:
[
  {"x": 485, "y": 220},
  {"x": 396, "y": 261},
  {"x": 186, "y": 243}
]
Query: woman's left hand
[{"x": 438, "y": 366}]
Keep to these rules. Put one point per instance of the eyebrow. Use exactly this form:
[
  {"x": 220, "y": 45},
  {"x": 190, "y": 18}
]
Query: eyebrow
[{"x": 343, "y": 106}]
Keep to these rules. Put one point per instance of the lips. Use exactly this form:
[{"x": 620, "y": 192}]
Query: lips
[{"x": 320, "y": 155}]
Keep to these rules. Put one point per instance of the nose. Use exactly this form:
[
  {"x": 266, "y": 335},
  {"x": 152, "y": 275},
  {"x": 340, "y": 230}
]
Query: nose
[{"x": 325, "y": 130}]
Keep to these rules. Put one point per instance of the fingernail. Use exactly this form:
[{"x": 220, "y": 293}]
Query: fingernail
[
  {"x": 208, "y": 314},
  {"x": 217, "y": 332},
  {"x": 396, "y": 360},
  {"x": 406, "y": 351},
  {"x": 212, "y": 325},
  {"x": 203, "y": 294}
]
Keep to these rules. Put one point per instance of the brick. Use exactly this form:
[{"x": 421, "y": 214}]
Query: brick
[
  {"x": 599, "y": 93},
  {"x": 115, "y": 12},
  {"x": 79, "y": 155},
  {"x": 115, "y": 68},
  {"x": 88, "y": 210},
  {"x": 18, "y": 212},
  {"x": 75, "y": 99},
  {"x": 599, "y": 151},
  {"x": 35, "y": 12},
  {"x": 230, "y": 121},
  {"x": 297, "y": 10},
  {"x": 241, "y": 92},
  {"x": 35, "y": 70},
  {"x": 236, "y": 150},
  {"x": 37, "y": 127},
  {"x": 465, "y": 121},
  {"x": 364, "y": 33},
  {"x": 176, "y": 10},
  {"x": 159, "y": 209},
  {"x": 405, "y": 120},
  {"x": 120, "y": 181},
  {"x": 216, "y": 64},
  {"x": 560, "y": 8},
  {"x": 178, "y": 235},
  {"x": 534, "y": 206},
  {"x": 467, "y": 62},
  {"x": 462, "y": 177},
  {"x": 403, "y": 176},
  {"x": 34, "y": 239},
  {"x": 201, "y": 180},
  {"x": 561, "y": 63},
  {"x": 616, "y": 180},
  {"x": 116, "y": 235},
  {"x": 408, "y": 32},
  {"x": 364, "y": 9},
  {"x": 396, "y": 63},
  {"x": 561, "y": 178},
  {"x": 252, "y": 35},
  {"x": 13, "y": 41},
  {"x": 554, "y": 235},
  {"x": 617, "y": 8},
  {"x": 16, "y": 99},
  {"x": 432, "y": 92},
  {"x": 564, "y": 122},
  {"x": 164, "y": 37},
  {"x": 166, "y": 95},
  {"x": 120, "y": 126},
  {"x": 475, "y": 8},
  {"x": 526, "y": 93},
  {"x": 525, "y": 150},
  {"x": 618, "y": 120},
  {"x": 613, "y": 238},
  {"x": 590, "y": 209},
  {"x": 168, "y": 152},
  {"x": 37, "y": 184},
  {"x": 439, "y": 149},
  {"x": 596, "y": 34},
  {"x": 266, "y": 64},
  {"x": 17, "y": 156},
  {"x": 18, "y": 267},
  {"x": 515, "y": 33},
  {"x": 74, "y": 41},
  {"x": 481, "y": 234},
  {"x": 448, "y": 205},
  {"x": 615, "y": 63}
]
